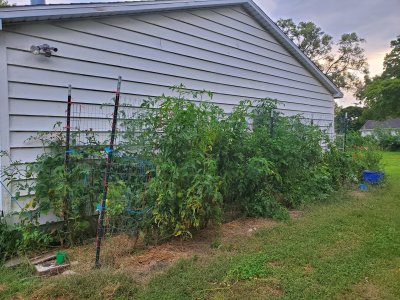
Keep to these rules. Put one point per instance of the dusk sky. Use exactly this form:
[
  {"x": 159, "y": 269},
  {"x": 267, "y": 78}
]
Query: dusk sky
[{"x": 378, "y": 21}]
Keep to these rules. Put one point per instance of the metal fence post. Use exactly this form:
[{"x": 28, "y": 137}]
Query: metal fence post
[
  {"x": 68, "y": 129},
  {"x": 109, "y": 150},
  {"x": 67, "y": 162},
  {"x": 345, "y": 132},
  {"x": 271, "y": 123}
]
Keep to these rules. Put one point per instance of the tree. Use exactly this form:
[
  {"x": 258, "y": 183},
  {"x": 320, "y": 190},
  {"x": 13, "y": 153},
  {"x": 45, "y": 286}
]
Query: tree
[
  {"x": 354, "y": 119},
  {"x": 382, "y": 97},
  {"x": 4, "y": 3},
  {"x": 342, "y": 61},
  {"x": 391, "y": 63},
  {"x": 381, "y": 94}
]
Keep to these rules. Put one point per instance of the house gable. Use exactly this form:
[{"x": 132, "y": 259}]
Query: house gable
[
  {"x": 222, "y": 48},
  {"x": 86, "y": 10}
]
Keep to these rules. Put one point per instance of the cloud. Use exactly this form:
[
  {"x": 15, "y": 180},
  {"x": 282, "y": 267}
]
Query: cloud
[{"x": 269, "y": 6}]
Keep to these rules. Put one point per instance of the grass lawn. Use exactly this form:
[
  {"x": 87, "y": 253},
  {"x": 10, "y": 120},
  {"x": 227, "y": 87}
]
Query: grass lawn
[{"x": 345, "y": 248}]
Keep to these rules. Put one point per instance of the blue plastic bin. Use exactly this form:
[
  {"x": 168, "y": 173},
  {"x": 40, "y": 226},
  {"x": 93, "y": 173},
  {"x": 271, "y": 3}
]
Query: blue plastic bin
[
  {"x": 363, "y": 187},
  {"x": 373, "y": 177}
]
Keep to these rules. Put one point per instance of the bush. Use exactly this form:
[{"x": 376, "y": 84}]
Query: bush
[
  {"x": 355, "y": 140},
  {"x": 20, "y": 239},
  {"x": 264, "y": 204},
  {"x": 364, "y": 153},
  {"x": 69, "y": 195},
  {"x": 178, "y": 138},
  {"x": 281, "y": 156},
  {"x": 388, "y": 139},
  {"x": 9, "y": 237},
  {"x": 254, "y": 159}
]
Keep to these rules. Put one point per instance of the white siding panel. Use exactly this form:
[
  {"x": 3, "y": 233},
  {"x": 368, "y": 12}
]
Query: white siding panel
[
  {"x": 245, "y": 31},
  {"x": 56, "y": 93},
  {"x": 135, "y": 82},
  {"x": 239, "y": 14},
  {"x": 222, "y": 50},
  {"x": 187, "y": 69},
  {"x": 170, "y": 52},
  {"x": 21, "y": 139},
  {"x": 40, "y": 123},
  {"x": 204, "y": 50},
  {"x": 37, "y": 108},
  {"x": 53, "y": 93},
  {"x": 199, "y": 29},
  {"x": 26, "y": 154}
]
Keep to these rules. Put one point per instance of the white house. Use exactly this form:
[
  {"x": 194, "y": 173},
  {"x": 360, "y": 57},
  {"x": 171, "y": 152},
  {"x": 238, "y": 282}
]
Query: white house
[
  {"x": 230, "y": 47},
  {"x": 390, "y": 125}
]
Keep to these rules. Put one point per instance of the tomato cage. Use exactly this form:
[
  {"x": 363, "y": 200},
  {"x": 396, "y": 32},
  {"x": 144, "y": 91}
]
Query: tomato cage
[{"x": 107, "y": 176}]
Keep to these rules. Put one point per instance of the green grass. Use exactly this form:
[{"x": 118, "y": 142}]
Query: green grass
[
  {"x": 16, "y": 281},
  {"x": 345, "y": 248}
]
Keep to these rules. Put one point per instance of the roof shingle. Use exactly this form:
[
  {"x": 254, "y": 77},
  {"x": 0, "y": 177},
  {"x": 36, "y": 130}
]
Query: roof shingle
[{"x": 391, "y": 123}]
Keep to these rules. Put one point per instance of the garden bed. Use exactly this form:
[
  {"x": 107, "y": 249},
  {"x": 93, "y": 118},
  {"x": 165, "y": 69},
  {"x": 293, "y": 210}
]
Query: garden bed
[{"x": 122, "y": 252}]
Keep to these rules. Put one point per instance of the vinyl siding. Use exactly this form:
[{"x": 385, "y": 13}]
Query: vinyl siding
[{"x": 223, "y": 50}]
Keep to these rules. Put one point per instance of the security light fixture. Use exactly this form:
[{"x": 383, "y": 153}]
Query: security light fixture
[{"x": 44, "y": 49}]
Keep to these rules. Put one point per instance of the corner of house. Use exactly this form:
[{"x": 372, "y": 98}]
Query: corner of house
[{"x": 5, "y": 199}]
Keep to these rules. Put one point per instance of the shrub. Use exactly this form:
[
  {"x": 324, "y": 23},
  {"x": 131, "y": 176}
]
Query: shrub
[
  {"x": 364, "y": 153},
  {"x": 388, "y": 139},
  {"x": 32, "y": 238},
  {"x": 70, "y": 195},
  {"x": 264, "y": 204},
  {"x": 254, "y": 159},
  {"x": 20, "y": 239},
  {"x": 9, "y": 237},
  {"x": 179, "y": 138},
  {"x": 281, "y": 156}
]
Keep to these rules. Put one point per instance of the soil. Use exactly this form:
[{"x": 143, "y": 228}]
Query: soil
[
  {"x": 124, "y": 253},
  {"x": 365, "y": 290},
  {"x": 358, "y": 194}
]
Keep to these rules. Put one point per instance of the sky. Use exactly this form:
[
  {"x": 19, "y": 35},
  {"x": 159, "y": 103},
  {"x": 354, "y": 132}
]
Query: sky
[{"x": 378, "y": 21}]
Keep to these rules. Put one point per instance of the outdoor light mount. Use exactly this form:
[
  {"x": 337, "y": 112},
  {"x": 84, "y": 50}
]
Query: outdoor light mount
[{"x": 44, "y": 49}]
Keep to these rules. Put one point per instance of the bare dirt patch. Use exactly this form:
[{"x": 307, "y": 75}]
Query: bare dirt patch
[
  {"x": 245, "y": 227},
  {"x": 275, "y": 264},
  {"x": 358, "y": 194},
  {"x": 125, "y": 253},
  {"x": 295, "y": 214},
  {"x": 269, "y": 288},
  {"x": 364, "y": 290},
  {"x": 308, "y": 269},
  {"x": 3, "y": 287}
]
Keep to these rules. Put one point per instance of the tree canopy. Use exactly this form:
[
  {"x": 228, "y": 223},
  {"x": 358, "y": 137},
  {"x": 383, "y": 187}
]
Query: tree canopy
[
  {"x": 342, "y": 61},
  {"x": 381, "y": 94},
  {"x": 391, "y": 63},
  {"x": 4, "y": 3},
  {"x": 354, "y": 118}
]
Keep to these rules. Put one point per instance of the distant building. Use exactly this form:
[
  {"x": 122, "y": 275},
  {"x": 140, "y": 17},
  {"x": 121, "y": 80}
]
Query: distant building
[{"x": 392, "y": 125}]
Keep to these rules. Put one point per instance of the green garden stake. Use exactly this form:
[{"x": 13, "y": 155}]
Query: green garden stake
[{"x": 60, "y": 257}]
